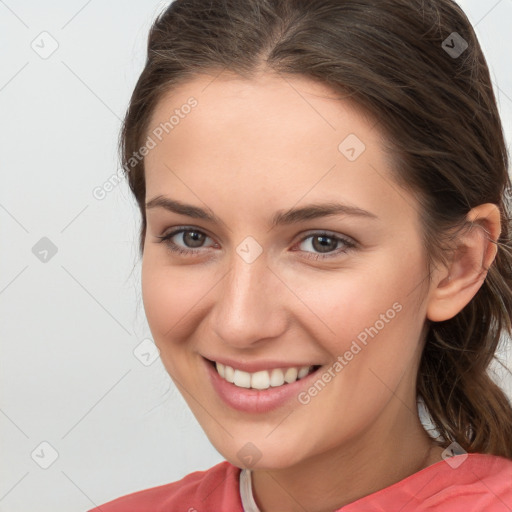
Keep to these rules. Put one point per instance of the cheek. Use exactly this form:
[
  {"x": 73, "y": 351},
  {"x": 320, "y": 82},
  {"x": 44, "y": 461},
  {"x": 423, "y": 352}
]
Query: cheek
[
  {"x": 344, "y": 304},
  {"x": 371, "y": 320},
  {"x": 171, "y": 297},
  {"x": 378, "y": 328}
]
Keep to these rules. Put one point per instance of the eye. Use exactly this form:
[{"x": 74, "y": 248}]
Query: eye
[
  {"x": 327, "y": 244},
  {"x": 191, "y": 237}
]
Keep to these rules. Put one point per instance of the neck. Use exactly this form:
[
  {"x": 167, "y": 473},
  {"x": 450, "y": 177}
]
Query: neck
[{"x": 362, "y": 466}]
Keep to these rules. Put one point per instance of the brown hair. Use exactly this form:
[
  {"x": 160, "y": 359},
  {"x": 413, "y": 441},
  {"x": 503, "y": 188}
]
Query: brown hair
[{"x": 444, "y": 135}]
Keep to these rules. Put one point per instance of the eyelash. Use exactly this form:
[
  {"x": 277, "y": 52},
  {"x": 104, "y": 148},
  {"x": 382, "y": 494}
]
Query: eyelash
[{"x": 349, "y": 244}]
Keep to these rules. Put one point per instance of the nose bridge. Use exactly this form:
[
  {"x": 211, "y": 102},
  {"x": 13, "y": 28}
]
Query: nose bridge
[{"x": 247, "y": 308}]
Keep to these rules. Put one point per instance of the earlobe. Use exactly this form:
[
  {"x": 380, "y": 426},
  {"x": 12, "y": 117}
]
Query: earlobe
[{"x": 454, "y": 286}]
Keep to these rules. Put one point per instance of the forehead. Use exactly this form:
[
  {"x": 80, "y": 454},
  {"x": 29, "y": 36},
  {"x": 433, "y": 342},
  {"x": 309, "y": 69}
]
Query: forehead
[
  {"x": 296, "y": 109},
  {"x": 274, "y": 136},
  {"x": 268, "y": 116}
]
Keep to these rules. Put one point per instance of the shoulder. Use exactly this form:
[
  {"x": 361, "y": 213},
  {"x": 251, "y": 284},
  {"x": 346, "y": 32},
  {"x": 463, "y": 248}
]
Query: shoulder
[
  {"x": 473, "y": 482},
  {"x": 481, "y": 482},
  {"x": 215, "y": 488}
]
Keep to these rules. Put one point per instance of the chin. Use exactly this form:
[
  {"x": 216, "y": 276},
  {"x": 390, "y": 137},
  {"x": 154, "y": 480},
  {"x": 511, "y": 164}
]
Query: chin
[{"x": 260, "y": 454}]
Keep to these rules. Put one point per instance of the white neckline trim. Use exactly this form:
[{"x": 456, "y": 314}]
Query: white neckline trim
[{"x": 248, "y": 503}]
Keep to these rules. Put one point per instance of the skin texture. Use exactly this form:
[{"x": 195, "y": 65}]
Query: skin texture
[{"x": 246, "y": 151}]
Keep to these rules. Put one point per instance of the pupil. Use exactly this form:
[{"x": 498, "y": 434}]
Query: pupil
[
  {"x": 322, "y": 247},
  {"x": 197, "y": 237}
]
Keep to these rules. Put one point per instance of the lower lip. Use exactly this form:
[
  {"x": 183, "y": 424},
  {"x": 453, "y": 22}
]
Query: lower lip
[{"x": 255, "y": 400}]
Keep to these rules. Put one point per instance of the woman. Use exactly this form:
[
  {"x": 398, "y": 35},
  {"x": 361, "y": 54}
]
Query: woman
[{"x": 325, "y": 246}]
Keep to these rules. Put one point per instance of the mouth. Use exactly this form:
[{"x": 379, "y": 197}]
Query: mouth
[{"x": 263, "y": 379}]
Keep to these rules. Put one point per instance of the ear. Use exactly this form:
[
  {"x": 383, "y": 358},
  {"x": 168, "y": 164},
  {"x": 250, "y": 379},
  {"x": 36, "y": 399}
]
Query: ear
[{"x": 456, "y": 284}]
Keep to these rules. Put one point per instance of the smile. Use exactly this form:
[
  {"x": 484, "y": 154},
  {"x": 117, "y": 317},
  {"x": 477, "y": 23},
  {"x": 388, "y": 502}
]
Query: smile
[{"x": 263, "y": 379}]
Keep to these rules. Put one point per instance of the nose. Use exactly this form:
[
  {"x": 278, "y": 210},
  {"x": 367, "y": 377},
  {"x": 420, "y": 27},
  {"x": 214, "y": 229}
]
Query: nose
[{"x": 250, "y": 306}]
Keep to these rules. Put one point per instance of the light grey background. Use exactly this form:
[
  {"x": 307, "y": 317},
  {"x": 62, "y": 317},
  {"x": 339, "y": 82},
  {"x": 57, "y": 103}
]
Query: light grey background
[{"x": 70, "y": 325}]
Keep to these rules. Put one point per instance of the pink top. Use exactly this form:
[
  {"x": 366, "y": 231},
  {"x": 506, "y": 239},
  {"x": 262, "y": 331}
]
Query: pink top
[{"x": 463, "y": 483}]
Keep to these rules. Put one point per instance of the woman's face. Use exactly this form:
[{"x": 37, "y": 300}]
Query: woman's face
[{"x": 270, "y": 284}]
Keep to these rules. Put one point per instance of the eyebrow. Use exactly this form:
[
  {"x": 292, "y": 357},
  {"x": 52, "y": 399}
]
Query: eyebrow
[{"x": 286, "y": 217}]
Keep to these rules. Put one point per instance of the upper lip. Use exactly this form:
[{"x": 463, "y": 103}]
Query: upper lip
[{"x": 256, "y": 366}]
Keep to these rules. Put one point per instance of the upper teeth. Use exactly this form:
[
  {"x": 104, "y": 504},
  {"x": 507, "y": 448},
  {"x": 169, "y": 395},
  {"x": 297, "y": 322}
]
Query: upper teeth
[{"x": 262, "y": 379}]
